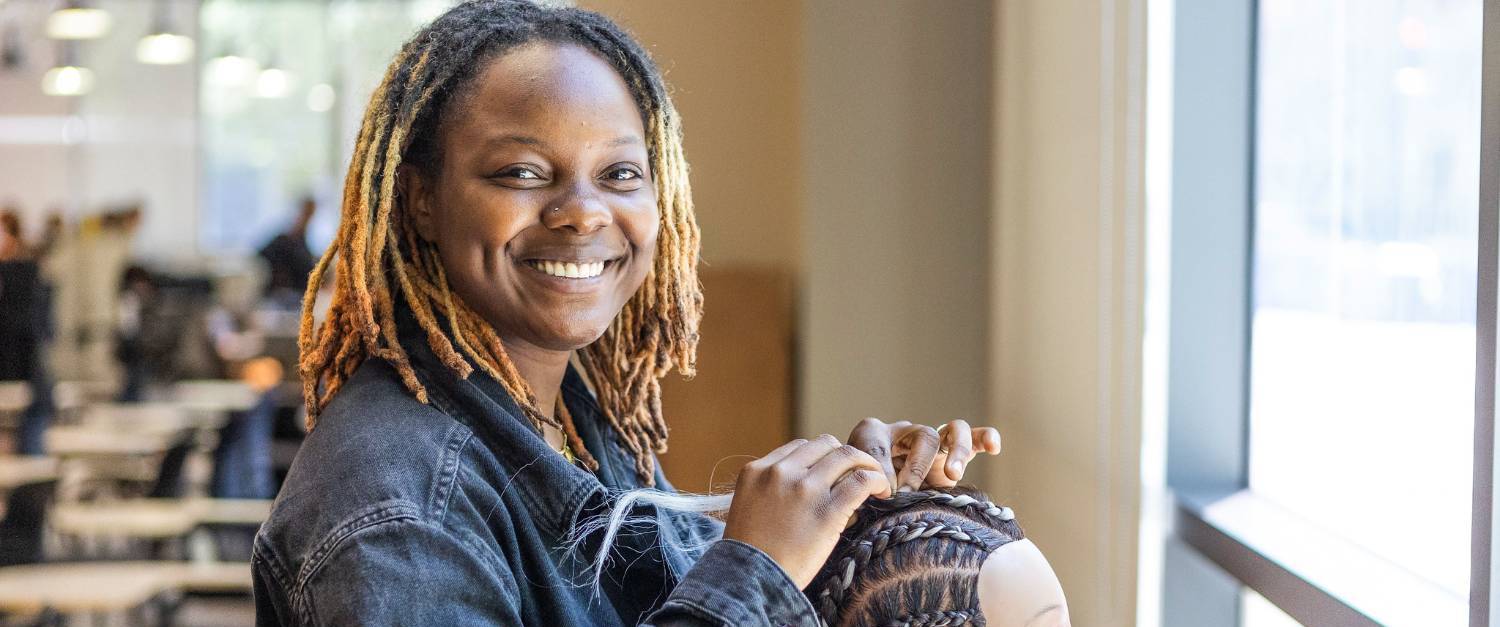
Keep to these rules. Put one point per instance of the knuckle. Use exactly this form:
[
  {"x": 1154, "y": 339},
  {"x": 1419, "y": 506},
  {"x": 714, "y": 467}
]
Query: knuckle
[
  {"x": 828, "y": 439},
  {"x": 849, "y": 451},
  {"x": 805, "y": 486},
  {"x": 928, "y": 434},
  {"x": 871, "y": 423},
  {"x": 780, "y": 473}
]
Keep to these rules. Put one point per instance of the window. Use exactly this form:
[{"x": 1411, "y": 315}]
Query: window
[
  {"x": 1366, "y": 179},
  {"x": 1331, "y": 286}
]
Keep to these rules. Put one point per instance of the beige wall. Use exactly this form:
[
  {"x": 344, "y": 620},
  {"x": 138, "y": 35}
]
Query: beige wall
[
  {"x": 847, "y": 141},
  {"x": 897, "y": 104},
  {"x": 733, "y": 68},
  {"x": 1068, "y": 296}
]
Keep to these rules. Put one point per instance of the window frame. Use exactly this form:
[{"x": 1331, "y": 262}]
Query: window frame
[{"x": 1216, "y": 516}]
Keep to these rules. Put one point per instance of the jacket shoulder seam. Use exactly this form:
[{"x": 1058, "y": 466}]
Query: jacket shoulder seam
[{"x": 333, "y": 540}]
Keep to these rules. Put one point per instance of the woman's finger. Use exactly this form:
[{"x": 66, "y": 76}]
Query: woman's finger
[
  {"x": 808, "y": 454},
  {"x": 921, "y": 443},
  {"x": 987, "y": 440},
  {"x": 854, "y": 488},
  {"x": 874, "y": 437},
  {"x": 958, "y": 438},
  {"x": 830, "y": 470},
  {"x": 776, "y": 455}
]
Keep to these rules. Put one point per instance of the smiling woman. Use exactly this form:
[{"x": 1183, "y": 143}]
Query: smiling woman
[{"x": 518, "y": 196}]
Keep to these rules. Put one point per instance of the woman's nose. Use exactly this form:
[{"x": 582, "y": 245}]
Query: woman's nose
[{"x": 583, "y": 213}]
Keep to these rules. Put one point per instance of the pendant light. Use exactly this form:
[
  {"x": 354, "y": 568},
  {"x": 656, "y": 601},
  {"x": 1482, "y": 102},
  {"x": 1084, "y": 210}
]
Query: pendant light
[
  {"x": 273, "y": 82},
  {"x": 68, "y": 78},
  {"x": 77, "y": 20},
  {"x": 163, "y": 45}
]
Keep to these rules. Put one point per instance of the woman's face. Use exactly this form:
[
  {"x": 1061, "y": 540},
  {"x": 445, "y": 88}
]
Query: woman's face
[{"x": 544, "y": 212}]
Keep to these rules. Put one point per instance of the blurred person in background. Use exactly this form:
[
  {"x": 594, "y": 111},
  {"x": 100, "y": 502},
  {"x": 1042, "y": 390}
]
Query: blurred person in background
[
  {"x": 12, "y": 244},
  {"x": 138, "y": 297},
  {"x": 516, "y": 271},
  {"x": 288, "y": 259},
  {"x": 25, "y": 328}
]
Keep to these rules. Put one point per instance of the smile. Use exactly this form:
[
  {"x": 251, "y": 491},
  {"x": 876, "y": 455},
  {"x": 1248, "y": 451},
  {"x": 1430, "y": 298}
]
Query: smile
[{"x": 568, "y": 269}]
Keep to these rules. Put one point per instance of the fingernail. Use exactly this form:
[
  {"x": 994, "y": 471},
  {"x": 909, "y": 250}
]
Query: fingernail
[
  {"x": 956, "y": 466},
  {"x": 905, "y": 488}
]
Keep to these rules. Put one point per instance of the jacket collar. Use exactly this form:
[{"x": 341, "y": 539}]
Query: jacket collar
[{"x": 554, "y": 490}]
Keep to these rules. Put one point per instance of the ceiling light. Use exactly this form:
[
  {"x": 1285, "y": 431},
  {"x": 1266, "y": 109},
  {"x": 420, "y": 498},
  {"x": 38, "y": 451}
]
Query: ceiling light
[
  {"x": 320, "y": 97},
  {"x": 164, "y": 46},
  {"x": 76, "y": 21},
  {"x": 67, "y": 80},
  {"x": 273, "y": 82},
  {"x": 164, "y": 49},
  {"x": 232, "y": 69}
]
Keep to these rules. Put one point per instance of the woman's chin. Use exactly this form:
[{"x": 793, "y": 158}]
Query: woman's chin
[{"x": 573, "y": 337}]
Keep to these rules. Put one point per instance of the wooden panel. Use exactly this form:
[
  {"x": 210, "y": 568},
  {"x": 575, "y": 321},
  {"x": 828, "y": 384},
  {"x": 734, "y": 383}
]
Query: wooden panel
[{"x": 739, "y": 406}]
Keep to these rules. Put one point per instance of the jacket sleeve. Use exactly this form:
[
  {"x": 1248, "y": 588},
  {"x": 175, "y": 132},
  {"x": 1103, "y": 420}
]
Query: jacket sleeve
[
  {"x": 735, "y": 584},
  {"x": 408, "y": 572}
]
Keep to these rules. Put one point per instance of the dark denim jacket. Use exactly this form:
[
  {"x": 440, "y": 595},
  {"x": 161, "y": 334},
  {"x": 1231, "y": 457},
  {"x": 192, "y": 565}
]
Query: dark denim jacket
[{"x": 456, "y": 513}]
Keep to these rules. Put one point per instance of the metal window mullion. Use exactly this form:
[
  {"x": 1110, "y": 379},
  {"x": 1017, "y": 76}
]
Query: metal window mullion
[{"x": 1483, "y": 579}]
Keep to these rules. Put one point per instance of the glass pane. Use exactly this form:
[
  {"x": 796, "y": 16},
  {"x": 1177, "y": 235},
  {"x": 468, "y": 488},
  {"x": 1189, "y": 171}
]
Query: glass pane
[
  {"x": 1362, "y": 351},
  {"x": 1256, "y": 611}
]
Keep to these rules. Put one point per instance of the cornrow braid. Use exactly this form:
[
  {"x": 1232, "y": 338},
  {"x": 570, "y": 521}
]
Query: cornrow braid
[
  {"x": 913, "y": 559},
  {"x": 943, "y": 618},
  {"x": 377, "y": 256},
  {"x": 891, "y": 533}
]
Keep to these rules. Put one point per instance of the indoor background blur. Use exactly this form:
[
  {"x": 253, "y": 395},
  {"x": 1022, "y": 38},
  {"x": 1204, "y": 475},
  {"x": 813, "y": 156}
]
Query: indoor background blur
[{"x": 1216, "y": 269}]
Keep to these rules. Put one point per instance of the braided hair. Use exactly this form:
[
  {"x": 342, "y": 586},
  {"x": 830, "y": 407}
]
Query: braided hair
[
  {"x": 377, "y": 257},
  {"x": 913, "y": 560}
]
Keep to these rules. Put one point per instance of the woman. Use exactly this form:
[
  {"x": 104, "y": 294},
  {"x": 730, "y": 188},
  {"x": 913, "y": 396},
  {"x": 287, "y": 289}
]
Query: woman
[{"x": 515, "y": 271}]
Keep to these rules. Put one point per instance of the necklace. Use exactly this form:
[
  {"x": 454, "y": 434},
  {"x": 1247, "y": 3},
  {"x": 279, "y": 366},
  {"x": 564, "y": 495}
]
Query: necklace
[{"x": 567, "y": 449}]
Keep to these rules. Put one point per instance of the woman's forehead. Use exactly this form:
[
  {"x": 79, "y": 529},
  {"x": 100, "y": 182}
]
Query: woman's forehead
[{"x": 559, "y": 90}]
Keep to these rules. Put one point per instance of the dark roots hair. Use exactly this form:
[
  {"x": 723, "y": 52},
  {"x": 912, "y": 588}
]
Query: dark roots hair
[{"x": 379, "y": 258}]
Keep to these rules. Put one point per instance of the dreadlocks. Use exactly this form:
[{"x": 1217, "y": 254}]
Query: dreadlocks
[{"x": 377, "y": 256}]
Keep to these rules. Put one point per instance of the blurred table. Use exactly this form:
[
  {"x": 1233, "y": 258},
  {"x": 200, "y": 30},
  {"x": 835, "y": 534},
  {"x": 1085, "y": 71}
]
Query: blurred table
[
  {"x": 99, "y": 587},
  {"x": 19, "y": 470},
  {"x": 220, "y": 395},
  {"x": 16, "y": 395},
  {"x": 153, "y": 416},
  {"x": 155, "y": 518},
  {"x": 92, "y": 441}
]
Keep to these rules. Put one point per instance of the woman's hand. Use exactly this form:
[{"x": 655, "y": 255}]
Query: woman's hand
[
  {"x": 910, "y": 454},
  {"x": 793, "y": 502}
]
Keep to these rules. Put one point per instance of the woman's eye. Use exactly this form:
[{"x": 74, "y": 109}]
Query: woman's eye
[
  {"x": 623, "y": 174},
  {"x": 520, "y": 173}
]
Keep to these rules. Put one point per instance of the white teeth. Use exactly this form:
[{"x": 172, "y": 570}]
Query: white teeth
[{"x": 569, "y": 269}]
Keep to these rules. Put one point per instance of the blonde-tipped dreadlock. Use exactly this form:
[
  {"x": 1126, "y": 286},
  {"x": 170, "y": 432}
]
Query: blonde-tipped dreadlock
[{"x": 380, "y": 258}]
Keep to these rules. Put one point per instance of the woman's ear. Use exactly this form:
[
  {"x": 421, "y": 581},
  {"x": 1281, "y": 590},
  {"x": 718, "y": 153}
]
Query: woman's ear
[{"x": 413, "y": 190}]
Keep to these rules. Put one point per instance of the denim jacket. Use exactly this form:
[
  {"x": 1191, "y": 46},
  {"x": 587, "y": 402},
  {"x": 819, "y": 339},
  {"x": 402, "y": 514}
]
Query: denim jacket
[{"x": 457, "y": 512}]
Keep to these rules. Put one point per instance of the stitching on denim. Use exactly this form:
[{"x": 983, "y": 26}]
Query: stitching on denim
[
  {"x": 262, "y": 551},
  {"x": 448, "y": 468},
  {"x": 335, "y": 538},
  {"x": 701, "y": 610}
]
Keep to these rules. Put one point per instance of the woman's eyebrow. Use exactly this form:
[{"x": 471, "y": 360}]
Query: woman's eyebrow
[
  {"x": 511, "y": 138},
  {"x": 527, "y": 140}
]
